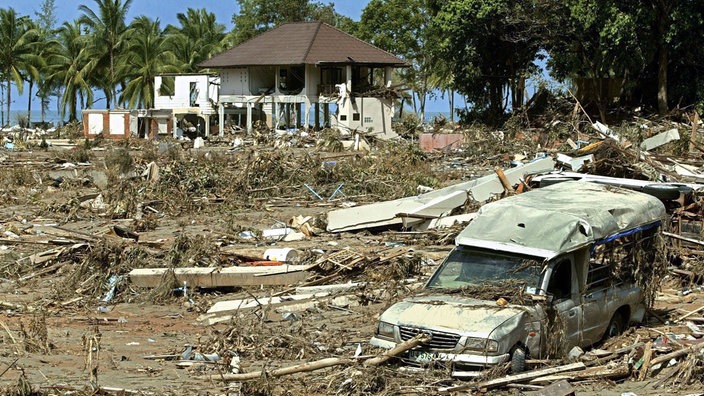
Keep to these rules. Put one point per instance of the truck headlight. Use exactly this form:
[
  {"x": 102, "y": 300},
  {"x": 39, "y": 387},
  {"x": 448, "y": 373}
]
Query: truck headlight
[
  {"x": 481, "y": 344},
  {"x": 385, "y": 329}
]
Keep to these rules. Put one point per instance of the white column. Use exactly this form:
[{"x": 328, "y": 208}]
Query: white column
[
  {"x": 249, "y": 118},
  {"x": 306, "y": 119},
  {"x": 388, "y": 73},
  {"x": 221, "y": 119},
  {"x": 348, "y": 72}
]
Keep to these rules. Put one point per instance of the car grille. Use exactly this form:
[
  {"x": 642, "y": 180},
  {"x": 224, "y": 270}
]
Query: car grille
[{"x": 440, "y": 340}]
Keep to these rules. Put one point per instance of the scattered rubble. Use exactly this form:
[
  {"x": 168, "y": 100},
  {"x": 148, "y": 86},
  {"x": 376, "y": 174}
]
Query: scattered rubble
[{"x": 115, "y": 255}]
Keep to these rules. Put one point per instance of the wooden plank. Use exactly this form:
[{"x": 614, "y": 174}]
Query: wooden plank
[
  {"x": 516, "y": 378},
  {"x": 681, "y": 238},
  {"x": 222, "y": 277},
  {"x": 601, "y": 372},
  {"x": 248, "y": 303}
]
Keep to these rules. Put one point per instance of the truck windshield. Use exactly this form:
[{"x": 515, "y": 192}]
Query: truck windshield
[{"x": 468, "y": 268}]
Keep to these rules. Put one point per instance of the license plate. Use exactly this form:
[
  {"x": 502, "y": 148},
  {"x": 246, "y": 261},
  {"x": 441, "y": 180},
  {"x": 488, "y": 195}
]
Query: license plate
[{"x": 420, "y": 356}]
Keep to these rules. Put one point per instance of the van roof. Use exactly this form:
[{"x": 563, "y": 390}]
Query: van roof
[{"x": 559, "y": 218}]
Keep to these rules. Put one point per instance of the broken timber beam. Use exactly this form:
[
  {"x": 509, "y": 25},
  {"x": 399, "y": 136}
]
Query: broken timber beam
[
  {"x": 676, "y": 354},
  {"x": 222, "y": 277},
  {"x": 600, "y": 372},
  {"x": 690, "y": 240},
  {"x": 299, "y": 368},
  {"x": 504, "y": 180},
  {"x": 323, "y": 363},
  {"x": 517, "y": 378},
  {"x": 397, "y": 350}
]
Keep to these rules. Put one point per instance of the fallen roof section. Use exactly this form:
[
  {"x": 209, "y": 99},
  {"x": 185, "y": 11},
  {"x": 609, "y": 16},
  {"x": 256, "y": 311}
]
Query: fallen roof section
[{"x": 438, "y": 203}]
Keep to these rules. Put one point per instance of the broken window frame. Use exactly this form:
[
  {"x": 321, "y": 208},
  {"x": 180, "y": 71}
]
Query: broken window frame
[{"x": 614, "y": 260}]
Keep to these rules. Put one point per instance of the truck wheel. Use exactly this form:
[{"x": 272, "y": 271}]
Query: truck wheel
[
  {"x": 665, "y": 192},
  {"x": 518, "y": 360},
  {"x": 616, "y": 326}
]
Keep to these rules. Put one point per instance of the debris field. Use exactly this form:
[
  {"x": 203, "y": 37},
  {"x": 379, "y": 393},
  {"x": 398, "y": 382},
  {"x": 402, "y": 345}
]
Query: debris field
[{"x": 261, "y": 267}]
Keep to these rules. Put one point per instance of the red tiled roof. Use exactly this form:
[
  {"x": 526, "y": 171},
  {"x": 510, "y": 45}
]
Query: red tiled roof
[{"x": 302, "y": 43}]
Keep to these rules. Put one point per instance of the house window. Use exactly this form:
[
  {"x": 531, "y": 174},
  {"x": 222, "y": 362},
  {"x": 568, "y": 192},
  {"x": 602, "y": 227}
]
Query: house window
[
  {"x": 193, "y": 94},
  {"x": 368, "y": 120},
  {"x": 343, "y": 117},
  {"x": 355, "y": 117}
]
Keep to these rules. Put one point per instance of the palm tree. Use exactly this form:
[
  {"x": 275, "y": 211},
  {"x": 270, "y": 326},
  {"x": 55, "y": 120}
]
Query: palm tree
[
  {"x": 16, "y": 51},
  {"x": 46, "y": 21},
  {"x": 108, "y": 28},
  {"x": 71, "y": 66},
  {"x": 198, "y": 38},
  {"x": 34, "y": 63},
  {"x": 147, "y": 56}
]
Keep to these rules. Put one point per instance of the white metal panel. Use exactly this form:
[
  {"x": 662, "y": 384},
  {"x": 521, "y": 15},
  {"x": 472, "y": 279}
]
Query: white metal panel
[
  {"x": 95, "y": 123},
  {"x": 162, "y": 126},
  {"x": 117, "y": 123}
]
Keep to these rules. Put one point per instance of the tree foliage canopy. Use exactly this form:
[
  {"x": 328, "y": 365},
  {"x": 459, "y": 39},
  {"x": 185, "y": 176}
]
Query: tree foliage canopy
[{"x": 258, "y": 16}]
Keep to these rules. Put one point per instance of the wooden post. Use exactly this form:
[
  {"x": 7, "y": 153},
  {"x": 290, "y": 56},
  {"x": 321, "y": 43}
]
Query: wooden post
[
  {"x": 504, "y": 181},
  {"x": 693, "y": 137},
  {"x": 397, "y": 350}
]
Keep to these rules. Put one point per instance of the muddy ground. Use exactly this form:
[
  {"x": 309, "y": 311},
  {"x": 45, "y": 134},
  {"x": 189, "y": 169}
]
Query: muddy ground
[{"x": 63, "y": 332}]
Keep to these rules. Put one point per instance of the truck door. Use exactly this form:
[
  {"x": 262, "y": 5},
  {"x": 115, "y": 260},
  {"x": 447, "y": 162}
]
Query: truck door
[
  {"x": 596, "y": 302},
  {"x": 564, "y": 316}
]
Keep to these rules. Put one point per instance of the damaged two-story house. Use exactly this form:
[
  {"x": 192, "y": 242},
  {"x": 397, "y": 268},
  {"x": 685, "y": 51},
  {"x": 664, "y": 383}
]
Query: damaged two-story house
[{"x": 298, "y": 71}]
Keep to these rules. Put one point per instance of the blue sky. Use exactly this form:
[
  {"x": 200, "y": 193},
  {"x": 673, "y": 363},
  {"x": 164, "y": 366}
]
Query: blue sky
[{"x": 165, "y": 11}]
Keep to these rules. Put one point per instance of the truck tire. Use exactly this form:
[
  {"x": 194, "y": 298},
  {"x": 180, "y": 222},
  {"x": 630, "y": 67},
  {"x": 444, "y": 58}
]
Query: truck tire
[
  {"x": 664, "y": 192},
  {"x": 518, "y": 360},
  {"x": 616, "y": 326}
]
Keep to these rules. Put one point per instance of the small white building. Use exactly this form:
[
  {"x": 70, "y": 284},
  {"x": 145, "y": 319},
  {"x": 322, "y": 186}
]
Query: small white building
[{"x": 191, "y": 100}]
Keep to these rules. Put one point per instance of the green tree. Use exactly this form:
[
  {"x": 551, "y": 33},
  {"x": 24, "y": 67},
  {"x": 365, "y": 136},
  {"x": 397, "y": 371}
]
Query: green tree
[
  {"x": 147, "y": 57},
  {"x": 71, "y": 67},
  {"x": 17, "y": 55},
  {"x": 198, "y": 37},
  {"x": 672, "y": 37},
  {"x": 107, "y": 25},
  {"x": 46, "y": 21},
  {"x": 685, "y": 80},
  {"x": 404, "y": 28},
  {"x": 596, "y": 40},
  {"x": 257, "y": 16},
  {"x": 490, "y": 46},
  {"x": 34, "y": 63}
]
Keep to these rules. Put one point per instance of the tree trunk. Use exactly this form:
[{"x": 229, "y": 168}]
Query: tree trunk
[
  {"x": 663, "y": 8},
  {"x": 662, "y": 78},
  {"x": 29, "y": 104},
  {"x": 452, "y": 104},
  {"x": 9, "y": 97}
]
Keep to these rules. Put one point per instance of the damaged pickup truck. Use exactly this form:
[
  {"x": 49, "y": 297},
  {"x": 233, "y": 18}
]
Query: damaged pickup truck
[{"x": 533, "y": 276}]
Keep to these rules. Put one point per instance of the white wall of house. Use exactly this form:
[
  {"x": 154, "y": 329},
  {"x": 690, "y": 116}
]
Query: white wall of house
[
  {"x": 234, "y": 81},
  {"x": 190, "y": 90},
  {"x": 312, "y": 80},
  {"x": 364, "y": 114}
]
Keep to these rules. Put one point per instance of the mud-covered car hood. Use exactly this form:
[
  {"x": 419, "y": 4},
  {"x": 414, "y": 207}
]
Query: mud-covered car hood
[{"x": 454, "y": 313}]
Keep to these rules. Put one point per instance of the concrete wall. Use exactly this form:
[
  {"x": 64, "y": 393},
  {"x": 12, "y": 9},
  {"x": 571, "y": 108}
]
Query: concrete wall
[
  {"x": 114, "y": 124},
  {"x": 205, "y": 93}
]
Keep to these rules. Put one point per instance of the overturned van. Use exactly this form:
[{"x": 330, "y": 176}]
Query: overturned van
[{"x": 533, "y": 276}]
